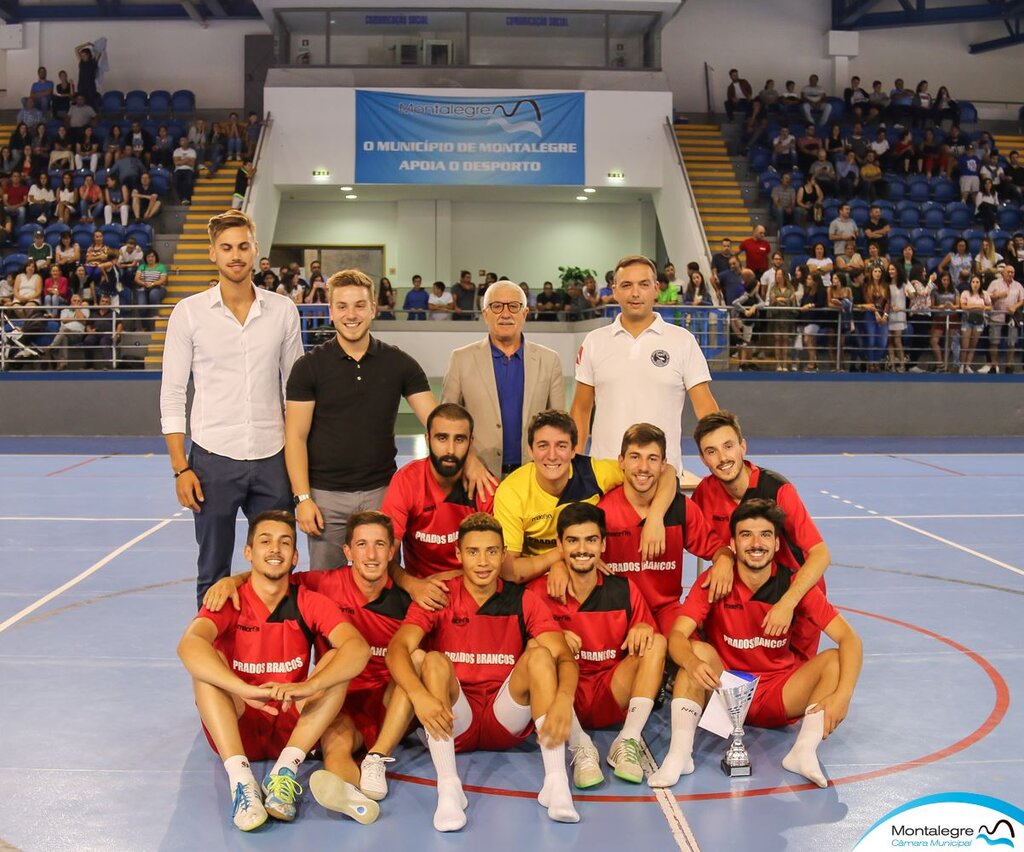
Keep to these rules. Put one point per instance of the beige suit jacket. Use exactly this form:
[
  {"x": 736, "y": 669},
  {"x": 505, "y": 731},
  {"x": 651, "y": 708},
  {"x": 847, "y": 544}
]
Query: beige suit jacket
[{"x": 469, "y": 381}]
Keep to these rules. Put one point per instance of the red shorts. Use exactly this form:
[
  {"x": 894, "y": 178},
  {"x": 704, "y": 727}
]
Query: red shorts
[
  {"x": 263, "y": 736},
  {"x": 666, "y": 617},
  {"x": 366, "y": 709},
  {"x": 767, "y": 710},
  {"x": 485, "y": 732},
  {"x": 595, "y": 703}
]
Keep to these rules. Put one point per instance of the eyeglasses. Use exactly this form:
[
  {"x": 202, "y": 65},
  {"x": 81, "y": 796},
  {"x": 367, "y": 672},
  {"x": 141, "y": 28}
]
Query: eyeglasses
[{"x": 498, "y": 307}]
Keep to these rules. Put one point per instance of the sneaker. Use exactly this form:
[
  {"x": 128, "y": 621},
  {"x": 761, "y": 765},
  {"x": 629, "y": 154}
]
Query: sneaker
[
  {"x": 984, "y": 369},
  {"x": 341, "y": 797},
  {"x": 586, "y": 766},
  {"x": 373, "y": 779},
  {"x": 624, "y": 758},
  {"x": 916, "y": 369},
  {"x": 281, "y": 791},
  {"x": 247, "y": 811}
]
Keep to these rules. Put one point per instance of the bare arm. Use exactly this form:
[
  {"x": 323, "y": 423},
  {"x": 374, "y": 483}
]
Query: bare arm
[
  {"x": 582, "y": 407},
  {"x": 435, "y": 716},
  {"x": 558, "y": 719},
  {"x": 204, "y": 663},
  {"x": 298, "y": 419},
  {"x": 779, "y": 617},
  {"x": 702, "y": 400},
  {"x": 521, "y": 569},
  {"x": 422, "y": 404},
  {"x": 851, "y": 656}
]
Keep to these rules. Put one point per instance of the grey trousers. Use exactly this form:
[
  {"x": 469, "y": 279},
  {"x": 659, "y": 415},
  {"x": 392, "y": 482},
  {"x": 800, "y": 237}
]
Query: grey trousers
[{"x": 325, "y": 550}]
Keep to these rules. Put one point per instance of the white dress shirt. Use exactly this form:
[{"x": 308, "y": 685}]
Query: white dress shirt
[{"x": 238, "y": 370}]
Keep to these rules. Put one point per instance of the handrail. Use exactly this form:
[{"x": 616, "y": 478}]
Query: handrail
[
  {"x": 708, "y": 69},
  {"x": 268, "y": 123},
  {"x": 670, "y": 130}
]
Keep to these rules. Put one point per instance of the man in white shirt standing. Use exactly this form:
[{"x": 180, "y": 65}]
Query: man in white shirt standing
[
  {"x": 239, "y": 343},
  {"x": 638, "y": 369},
  {"x": 184, "y": 176}
]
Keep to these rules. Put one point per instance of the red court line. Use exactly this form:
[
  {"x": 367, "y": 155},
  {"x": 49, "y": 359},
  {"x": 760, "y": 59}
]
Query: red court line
[
  {"x": 929, "y": 464},
  {"x": 77, "y": 464},
  {"x": 994, "y": 718}
]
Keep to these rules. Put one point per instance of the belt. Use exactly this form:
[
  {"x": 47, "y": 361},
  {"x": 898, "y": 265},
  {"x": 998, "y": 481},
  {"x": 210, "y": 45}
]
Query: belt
[{"x": 506, "y": 469}]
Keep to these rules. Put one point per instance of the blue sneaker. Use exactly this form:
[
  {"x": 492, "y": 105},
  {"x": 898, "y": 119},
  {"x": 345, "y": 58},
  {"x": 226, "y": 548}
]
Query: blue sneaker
[
  {"x": 247, "y": 811},
  {"x": 280, "y": 792}
]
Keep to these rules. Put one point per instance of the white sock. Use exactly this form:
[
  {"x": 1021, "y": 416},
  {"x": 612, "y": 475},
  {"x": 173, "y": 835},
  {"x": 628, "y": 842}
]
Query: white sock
[
  {"x": 442, "y": 753},
  {"x": 555, "y": 795},
  {"x": 451, "y": 801},
  {"x": 636, "y": 717},
  {"x": 290, "y": 758},
  {"x": 803, "y": 757},
  {"x": 679, "y": 760},
  {"x": 239, "y": 771},
  {"x": 577, "y": 736}
]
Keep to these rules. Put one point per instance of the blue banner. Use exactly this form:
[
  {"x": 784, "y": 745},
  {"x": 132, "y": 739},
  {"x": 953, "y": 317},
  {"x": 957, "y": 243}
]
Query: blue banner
[{"x": 501, "y": 141}]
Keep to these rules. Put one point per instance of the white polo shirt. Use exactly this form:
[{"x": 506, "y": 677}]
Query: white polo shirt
[
  {"x": 238, "y": 370},
  {"x": 639, "y": 380}
]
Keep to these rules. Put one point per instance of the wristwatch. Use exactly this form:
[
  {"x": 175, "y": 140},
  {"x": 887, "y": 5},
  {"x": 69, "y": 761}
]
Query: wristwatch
[{"x": 299, "y": 498}]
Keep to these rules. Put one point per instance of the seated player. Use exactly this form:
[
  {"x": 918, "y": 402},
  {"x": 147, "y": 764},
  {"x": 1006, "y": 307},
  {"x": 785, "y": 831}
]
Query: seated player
[
  {"x": 260, "y": 704},
  {"x": 642, "y": 461},
  {"x": 528, "y": 501},
  {"x": 609, "y": 628},
  {"x": 734, "y": 480},
  {"x": 376, "y": 714},
  {"x": 481, "y": 686},
  {"x": 818, "y": 690},
  {"x": 426, "y": 500}
]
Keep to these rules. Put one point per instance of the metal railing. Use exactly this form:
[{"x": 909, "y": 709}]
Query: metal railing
[
  {"x": 670, "y": 130},
  {"x": 267, "y": 124}
]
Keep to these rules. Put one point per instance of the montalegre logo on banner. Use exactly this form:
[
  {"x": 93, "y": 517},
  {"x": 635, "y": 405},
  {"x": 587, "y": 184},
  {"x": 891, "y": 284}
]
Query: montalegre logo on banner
[{"x": 512, "y": 140}]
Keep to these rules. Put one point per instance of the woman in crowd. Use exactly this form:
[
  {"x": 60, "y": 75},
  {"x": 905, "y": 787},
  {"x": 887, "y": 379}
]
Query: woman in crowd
[
  {"x": 87, "y": 151},
  {"x": 908, "y": 260},
  {"x": 820, "y": 262},
  {"x": 922, "y": 105},
  {"x": 959, "y": 264},
  {"x": 835, "y": 146},
  {"x": 8, "y": 161},
  {"x": 986, "y": 205},
  {"x": 233, "y": 137},
  {"x": 904, "y": 157},
  {"x": 945, "y": 301},
  {"x": 875, "y": 319},
  {"x": 41, "y": 147},
  {"x": 41, "y": 199},
  {"x": 90, "y": 199},
  {"x": 67, "y": 199},
  {"x": 150, "y": 285},
  {"x": 987, "y": 261},
  {"x": 782, "y": 300},
  {"x": 898, "y": 291},
  {"x": 945, "y": 107},
  {"x": 115, "y": 202},
  {"x": 61, "y": 154},
  {"x": 67, "y": 255},
  {"x": 810, "y": 198},
  {"x": 55, "y": 289},
  {"x": 697, "y": 292},
  {"x": 929, "y": 155},
  {"x": 28, "y": 286},
  {"x": 21, "y": 145},
  {"x": 113, "y": 146},
  {"x": 99, "y": 265},
  {"x": 813, "y": 315},
  {"x": 919, "y": 293},
  {"x": 385, "y": 300},
  {"x": 63, "y": 92},
  {"x": 974, "y": 302}
]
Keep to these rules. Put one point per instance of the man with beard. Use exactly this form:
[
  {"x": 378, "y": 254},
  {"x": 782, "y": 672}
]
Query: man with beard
[
  {"x": 609, "y": 628},
  {"x": 817, "y": 690},
  {"x": 427, "y": 501},
  {"x": 260, "y": 703},
  {"x": 734, "y": 480},
  {"x": 376, "y": 714},
  {"x": 343, "y": 399},
  {"x": 238, "y": 343}
]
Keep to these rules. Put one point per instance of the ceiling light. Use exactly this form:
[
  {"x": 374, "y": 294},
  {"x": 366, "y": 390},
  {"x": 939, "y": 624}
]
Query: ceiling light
[
  {"x": 351, "y": 196},
  {"x": 581, "y": 198},
  {"x": 346, "y": 189},
  {"x": 589, "y": 190}
]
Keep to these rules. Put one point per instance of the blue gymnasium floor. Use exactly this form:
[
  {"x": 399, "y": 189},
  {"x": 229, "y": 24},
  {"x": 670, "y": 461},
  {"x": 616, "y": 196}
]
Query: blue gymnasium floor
[{"x": 101, "y": 747}]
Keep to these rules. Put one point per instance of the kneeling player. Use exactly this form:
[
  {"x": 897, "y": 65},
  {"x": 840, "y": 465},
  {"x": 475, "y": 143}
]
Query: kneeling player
[
  {"x": 259, "y": 704},
  {"x": 609, "y": 627},
  {"x": 481, "y": 687},
  {"x": 818, "y": 690}
]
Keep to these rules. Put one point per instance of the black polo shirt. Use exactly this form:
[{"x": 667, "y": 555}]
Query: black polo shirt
[{"x": 352, "y": 438}]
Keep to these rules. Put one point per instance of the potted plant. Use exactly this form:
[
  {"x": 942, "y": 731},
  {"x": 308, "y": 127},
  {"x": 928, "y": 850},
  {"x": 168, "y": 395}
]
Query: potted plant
[{"x": 567, "y": 274}]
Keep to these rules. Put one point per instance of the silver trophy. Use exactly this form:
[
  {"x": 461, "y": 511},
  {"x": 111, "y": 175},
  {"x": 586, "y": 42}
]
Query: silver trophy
[{"x": 736, "y": 763}]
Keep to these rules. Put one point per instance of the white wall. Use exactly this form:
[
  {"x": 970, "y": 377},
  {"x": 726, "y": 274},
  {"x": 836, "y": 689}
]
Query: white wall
[
  {"x": 436, "y": 239},
  {"x": 785, "y": 39},
  {"x": 143, "y": 55}
]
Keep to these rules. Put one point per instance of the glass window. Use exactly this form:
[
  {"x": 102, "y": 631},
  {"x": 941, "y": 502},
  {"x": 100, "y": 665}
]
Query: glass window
[
  {"x": 632, "y": 41},
  {"x": 303, "y": 39},
  {"x": 398, "y": 37},
  {"x": 538, "y": 39}
]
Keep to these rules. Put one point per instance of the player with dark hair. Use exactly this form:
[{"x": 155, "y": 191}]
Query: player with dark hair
[
  {"x": 817, "y": 690},
  {"x": 482, "y": 686},
  {"x": 249, "y": 667},
  {"x": 609, "y": 628}
]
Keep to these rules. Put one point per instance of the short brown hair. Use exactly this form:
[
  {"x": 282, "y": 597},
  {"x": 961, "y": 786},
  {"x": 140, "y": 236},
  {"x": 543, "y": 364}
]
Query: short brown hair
[
  {"x": 351, "y": 278},
  {"x": 633, "y": 260},
  {"x": 229, "y": 219},
  {"x": 758, "y": 507},
  {"x": 275, "y": 515},
  {"x": 367, "y": 518},
  {"x": 480, "y": 522},
  {"x": 716, "y": 420},
  {"x": 642, "y": 434},
  {"x": 553, "y": 417},
  {"x": 450, "y": 411}
]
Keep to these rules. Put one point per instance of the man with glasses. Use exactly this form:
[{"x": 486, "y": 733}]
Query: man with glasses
[{"x": 503, "y": 380}]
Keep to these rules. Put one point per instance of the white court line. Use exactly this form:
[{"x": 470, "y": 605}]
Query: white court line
[
  {"x": 877, "y": 517},
  {"x": 88, "y": 572},
  {"x": 66, "y": 518},
  {"x": 680, "y": 828},
  {"x": 953, "y": 544}
]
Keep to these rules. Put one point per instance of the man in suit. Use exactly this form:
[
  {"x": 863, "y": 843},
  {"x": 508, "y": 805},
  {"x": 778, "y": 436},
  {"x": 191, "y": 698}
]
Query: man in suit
[{"x": 504, "y": 380}]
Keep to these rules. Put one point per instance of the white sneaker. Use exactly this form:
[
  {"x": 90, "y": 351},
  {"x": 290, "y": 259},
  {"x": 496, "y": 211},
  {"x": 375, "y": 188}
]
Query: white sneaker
[
  {"x": 373, "y": 779},
  {"x": 247, "y": 811},
  {"x": 586, "y": 766},
  {"x": 336, "y": 795},
  {"x": 624, "y": 758},
  {"x": 984, "y": 369}
]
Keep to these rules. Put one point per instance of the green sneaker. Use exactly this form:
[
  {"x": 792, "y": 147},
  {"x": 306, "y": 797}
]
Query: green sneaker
[
  {"x": 586, "y": 766},
  {"x": 280, "y": 792},
  {"x": 624, "y": 758}
]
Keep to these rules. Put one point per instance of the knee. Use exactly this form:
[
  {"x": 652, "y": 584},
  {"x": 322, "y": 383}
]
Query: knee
[
  {"x": 539, "y": 660},
  {"x": 434, "y": 665},
  {"x": 658, "y": 649}
]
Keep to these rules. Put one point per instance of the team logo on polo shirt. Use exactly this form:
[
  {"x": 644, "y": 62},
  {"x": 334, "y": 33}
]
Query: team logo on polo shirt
[{"x": 659, "y": 357}]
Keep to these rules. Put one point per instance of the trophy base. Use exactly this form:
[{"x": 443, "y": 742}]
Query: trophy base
[{"x": 742, "y": 771}]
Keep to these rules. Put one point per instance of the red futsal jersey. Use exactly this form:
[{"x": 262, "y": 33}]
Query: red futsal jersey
[
  {"x": 483, "y": 643},
  {"x": 660, "y": 580},
  {"x": 377, "y": 620},
  {"x": 262, "y": 646},
  {"x": 426, "y": 520},
  {"x": 733, "y": 624},
  {"x": 601, "y": 621},
  {"x": 800, "y": 533}
]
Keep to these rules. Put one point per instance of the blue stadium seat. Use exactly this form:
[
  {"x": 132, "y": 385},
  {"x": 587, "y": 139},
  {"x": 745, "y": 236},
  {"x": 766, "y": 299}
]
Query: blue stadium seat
[
  {"x": 818, "y": 234},
  {"x": 51, "y": 126},
  {"x": 101, "y": 177},
  {"x": 54, "y": 231},
  {"x": 968, "y": 112},
  {"x": 947, "y": 238},
  {"x": 176, "y": 129},
  {"x": 14, "y": 263},
  {"x": 999, "y": 238},
  {"x": 28, "y": 229},
  {"x": 183, "y": 102},
  {"x": 897, "y": 187},
  {"x": 959, "y": 215},
  {"x": 151, "y": 127},
  {"x": 1009, "y": 217},
  {"x": 974, "y": 236},
  {"x": 791, "y": 239},
  {"x": 933, "y": 263},
  {"x": 82, "y": 234},
  {"x": 78, "y": 177},
  {"x": 830, "y": 209},
  {"x": 933, "y": 215},
  {"x": 159, "y": 103},
  {"x": 760, "y": 159},
  {"x": 24, "y": 241},
  {"x": 838, "y": 109},
  {"x": 795, "y": 261},
  {"x": 766, "y": 182},
  {"x": 886, "y": 207},
  {"x": 161, "y": 180},
  {"x": 908, "y": 214},
  {"x": 924, "y": 245},
  {"x": 918, "y": 188},
  {"x": 142, "y": 232},
  {"x": 113, "y": 102},
  {"x": 113, "y": 235},
  {"x": 136, "y": 103},
  {"x": 944, "y": 191},
  {"x": 898, "y": 237}
]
